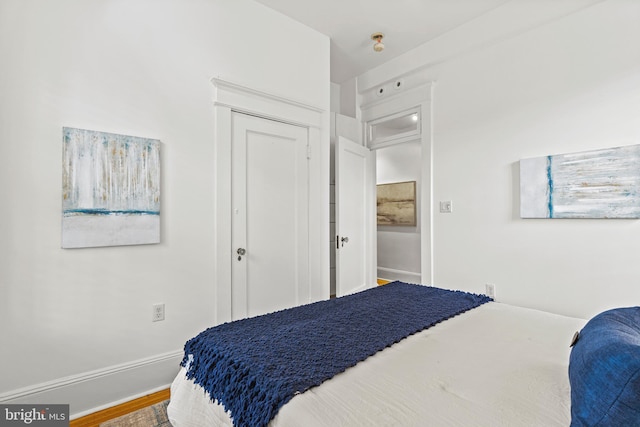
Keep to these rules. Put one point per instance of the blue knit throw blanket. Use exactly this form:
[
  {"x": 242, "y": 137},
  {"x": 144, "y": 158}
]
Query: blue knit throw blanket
[{"x": 256, "y": 365}]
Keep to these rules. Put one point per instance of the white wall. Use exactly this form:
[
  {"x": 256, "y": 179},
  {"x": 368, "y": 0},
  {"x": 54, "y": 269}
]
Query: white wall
[
  {"x": 335, "y": 98},
  {"x": 141, "y": 68},
  {"x": 399, "y": 246},
  {"x": 562, "y": 85},
  {"x": 348, "y": 98}
]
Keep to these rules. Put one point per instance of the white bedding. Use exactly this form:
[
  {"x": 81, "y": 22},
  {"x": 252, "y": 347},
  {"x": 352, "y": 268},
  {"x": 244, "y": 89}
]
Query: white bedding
[{"x": 496, "y": 365}]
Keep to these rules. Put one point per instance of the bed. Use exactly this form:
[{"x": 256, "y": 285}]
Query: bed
[{"x": 491, "y": 365}]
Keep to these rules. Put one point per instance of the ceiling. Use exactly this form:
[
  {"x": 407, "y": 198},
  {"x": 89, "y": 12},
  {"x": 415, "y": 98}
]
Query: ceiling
[{"x": 406, "y": 24}]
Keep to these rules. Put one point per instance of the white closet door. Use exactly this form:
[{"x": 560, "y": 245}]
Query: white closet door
[{"x": 270, "y": 215}]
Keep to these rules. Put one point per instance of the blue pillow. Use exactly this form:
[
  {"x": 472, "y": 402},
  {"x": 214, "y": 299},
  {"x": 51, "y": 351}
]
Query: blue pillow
[{"x": 604, "y": 370}]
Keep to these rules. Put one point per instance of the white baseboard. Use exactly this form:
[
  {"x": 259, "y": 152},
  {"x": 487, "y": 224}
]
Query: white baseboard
[
  {"x": 100, "y": 389},
  {"x": 358, "y": 289},
  {"x": 402, "y": 275}
]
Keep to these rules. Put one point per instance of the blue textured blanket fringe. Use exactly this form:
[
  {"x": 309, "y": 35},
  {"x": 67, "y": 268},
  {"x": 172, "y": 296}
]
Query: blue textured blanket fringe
[{"x": 254, "y": 366}]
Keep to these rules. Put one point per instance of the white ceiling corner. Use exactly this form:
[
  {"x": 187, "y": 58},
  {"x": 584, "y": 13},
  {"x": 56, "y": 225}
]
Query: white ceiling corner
[
  {"x": 408, "y": 24},
  {"x": 405, "y": 23}
]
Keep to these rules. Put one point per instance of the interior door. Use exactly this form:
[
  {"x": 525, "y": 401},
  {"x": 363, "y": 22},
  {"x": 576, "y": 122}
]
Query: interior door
[
  {"x": 270, "y": 215},
  {"x": 355, "y": 217}
]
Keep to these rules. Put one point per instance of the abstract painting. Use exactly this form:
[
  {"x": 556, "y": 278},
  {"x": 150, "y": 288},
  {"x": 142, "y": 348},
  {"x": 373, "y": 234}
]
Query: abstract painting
[
  {"x": 397, "y": 203},
  {"x": 110, "y": 189},
  {"x": 592, "y": 184}
]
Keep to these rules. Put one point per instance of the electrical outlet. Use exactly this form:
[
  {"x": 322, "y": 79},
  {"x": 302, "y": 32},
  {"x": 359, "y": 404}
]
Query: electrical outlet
[
  {"x": 490, "y": 290},
  {"x": 158, "y": 312}
]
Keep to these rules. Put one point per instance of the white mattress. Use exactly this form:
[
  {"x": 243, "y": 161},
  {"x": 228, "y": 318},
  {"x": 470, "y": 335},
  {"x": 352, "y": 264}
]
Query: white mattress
[{"x": 496, "y": 365}]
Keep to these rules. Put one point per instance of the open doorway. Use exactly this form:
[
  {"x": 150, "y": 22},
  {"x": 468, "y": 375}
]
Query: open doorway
[
  {"x": 399, "y": 241},
  {"x": 396, "y": 127}
]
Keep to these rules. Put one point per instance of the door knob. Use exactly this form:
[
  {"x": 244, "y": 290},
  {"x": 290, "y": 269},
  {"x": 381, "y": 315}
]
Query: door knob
[
  {"x": 240, "y": 252},
  {"x": 344, "y": 240}
]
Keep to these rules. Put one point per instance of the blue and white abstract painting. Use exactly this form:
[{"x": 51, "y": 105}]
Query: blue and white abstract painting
[
  {"x": 592, "y": 184},
  {"x": 110, "y": 189}
]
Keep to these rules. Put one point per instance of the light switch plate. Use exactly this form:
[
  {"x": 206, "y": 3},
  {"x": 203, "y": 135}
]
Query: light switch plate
[{"x": 446, "y": 206}]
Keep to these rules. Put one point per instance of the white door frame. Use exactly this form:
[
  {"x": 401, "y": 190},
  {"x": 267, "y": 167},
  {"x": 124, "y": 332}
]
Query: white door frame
[
  {"x": 230, "y": 97},
  {"x": 420, "y": 97}
]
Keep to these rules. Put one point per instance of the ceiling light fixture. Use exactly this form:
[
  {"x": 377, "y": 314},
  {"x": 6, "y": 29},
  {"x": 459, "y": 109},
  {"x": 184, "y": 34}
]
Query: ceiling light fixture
[{"x": 377, "y": 37}]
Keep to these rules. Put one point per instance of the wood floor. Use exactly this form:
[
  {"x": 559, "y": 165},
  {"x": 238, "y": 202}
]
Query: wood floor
[{"x": 94, "y": 420}]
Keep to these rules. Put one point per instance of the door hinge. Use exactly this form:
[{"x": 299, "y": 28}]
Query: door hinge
[{"x": 308, "y": 151}]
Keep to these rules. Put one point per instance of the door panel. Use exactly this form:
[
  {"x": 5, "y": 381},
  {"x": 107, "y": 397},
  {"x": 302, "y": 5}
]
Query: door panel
[
  {"x": 355, "y": 215},
  {"x": 270, "y": 218}
]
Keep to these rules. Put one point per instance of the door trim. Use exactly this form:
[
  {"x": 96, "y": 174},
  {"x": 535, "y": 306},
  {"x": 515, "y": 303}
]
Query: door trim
[
  {"x": 420, "y": 98},
  {"x": 255, "y": 102},
  {"x": 228, "y": 97}
]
